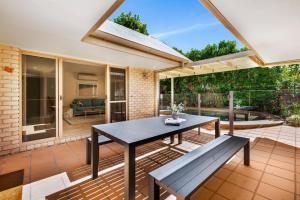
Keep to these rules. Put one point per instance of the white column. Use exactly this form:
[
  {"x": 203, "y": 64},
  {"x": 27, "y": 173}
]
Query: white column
[
  {"x": 172, "y": 91},
  {"x": 231, "y": 113}
]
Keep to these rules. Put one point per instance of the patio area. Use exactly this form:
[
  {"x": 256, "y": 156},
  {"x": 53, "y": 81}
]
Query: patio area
[{"x": 273, "y": 173}]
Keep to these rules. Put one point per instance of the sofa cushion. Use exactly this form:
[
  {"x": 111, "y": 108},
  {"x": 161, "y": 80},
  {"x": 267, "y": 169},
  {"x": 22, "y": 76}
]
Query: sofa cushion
[
  {"x": 86, "y": 102},
  {"x": 98, "y": 102}
]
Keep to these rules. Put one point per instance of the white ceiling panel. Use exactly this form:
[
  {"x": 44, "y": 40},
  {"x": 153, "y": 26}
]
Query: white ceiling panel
[
  {"x": 271, "y": 27},
  {"x": 57, "y": 27}
]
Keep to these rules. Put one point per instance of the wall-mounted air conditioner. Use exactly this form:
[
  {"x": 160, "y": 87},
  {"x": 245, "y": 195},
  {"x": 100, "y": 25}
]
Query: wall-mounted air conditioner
[{"x": 87, "y": 77}]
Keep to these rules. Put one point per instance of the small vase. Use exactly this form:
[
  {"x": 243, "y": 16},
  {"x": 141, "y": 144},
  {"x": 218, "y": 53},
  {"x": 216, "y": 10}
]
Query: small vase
[{"x": 175, "y": 116}]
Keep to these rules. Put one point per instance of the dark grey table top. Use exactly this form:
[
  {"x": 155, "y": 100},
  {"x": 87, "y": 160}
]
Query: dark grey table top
[{"x": 145, "y": 130}]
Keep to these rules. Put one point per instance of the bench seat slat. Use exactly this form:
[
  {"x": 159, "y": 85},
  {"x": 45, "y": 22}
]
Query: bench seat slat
[
  {"x": 193, "y": 184},
  {"x": 180, "y": 162},
  {"x": 186, "y": 174},
  {"x": 195, "y": 168}
]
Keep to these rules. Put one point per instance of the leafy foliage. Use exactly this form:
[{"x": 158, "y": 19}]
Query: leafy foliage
[
  {"x": 294, "y": 120},
  {"x": 272, "y": 90},
  {"x": 246, "y": 79},
  {"x": 179, "y": 50},
  {"x": 214, "y": 50},
  {"x": 132, "y": 21}
]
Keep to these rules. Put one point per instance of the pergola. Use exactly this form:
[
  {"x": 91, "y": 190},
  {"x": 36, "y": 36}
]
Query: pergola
[{"x": 236, "y": 61}]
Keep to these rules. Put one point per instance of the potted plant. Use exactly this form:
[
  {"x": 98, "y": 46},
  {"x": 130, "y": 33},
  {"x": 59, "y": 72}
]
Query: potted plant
[{"x": 176, "y": 109}]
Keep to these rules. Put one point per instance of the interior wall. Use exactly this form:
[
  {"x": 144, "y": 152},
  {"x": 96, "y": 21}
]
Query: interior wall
[{"x": 70, "y": 80}]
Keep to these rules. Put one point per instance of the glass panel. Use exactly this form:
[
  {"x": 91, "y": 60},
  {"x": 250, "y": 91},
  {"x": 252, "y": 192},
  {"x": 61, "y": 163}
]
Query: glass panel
[
  {"x": 117, "y": 84},
  {"x": 165, "y": 94},
  {"x": 118, "y": 112},
  {"x": 38, "y": 98}
]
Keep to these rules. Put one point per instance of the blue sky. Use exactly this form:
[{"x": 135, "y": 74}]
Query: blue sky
[{"x": 184, "y": 24}]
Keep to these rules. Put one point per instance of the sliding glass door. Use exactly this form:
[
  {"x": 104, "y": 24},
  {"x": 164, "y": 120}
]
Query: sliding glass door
[
  {"x": 39, "y": 98},
  {"x": 117, "y": 94}
]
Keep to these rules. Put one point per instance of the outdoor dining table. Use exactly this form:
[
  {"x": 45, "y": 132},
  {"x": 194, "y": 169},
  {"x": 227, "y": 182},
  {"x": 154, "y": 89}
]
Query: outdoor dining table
[{"x": 137, "y": 132}]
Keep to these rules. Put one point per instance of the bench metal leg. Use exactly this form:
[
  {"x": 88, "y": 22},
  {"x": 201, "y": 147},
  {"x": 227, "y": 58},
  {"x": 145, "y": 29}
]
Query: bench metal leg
[
  {"x": 180, "y": 138},
  {"x": 153, "y": 190},
  {"x": 199, "y": 131},
  {"x": 88, "y": 152},
  {"x": 247, "y": 154},
  {"x": 172, "y": 139}
]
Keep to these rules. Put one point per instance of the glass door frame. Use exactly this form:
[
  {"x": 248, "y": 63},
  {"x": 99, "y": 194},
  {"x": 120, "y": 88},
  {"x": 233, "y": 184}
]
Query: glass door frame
[
  {"x": 41, "y": 55},
  {"x": 59, "y": 92},
  {"x": 61, "y": 85},
  {"x": 108, "y": 99}
]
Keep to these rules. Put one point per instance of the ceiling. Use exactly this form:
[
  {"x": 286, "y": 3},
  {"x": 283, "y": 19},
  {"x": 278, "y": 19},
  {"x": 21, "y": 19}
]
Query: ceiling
[
  {"x": 269, "y": 27},
  {"x": 58, "y": 26}
]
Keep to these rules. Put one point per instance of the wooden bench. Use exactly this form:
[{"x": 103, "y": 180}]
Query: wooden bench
[
  {"x": 101, "y": 140},
  {"x": 183, "y": 176}
]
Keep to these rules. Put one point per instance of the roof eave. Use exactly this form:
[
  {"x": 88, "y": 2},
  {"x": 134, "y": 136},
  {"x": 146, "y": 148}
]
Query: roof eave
[{"x": 101, "y": 35}]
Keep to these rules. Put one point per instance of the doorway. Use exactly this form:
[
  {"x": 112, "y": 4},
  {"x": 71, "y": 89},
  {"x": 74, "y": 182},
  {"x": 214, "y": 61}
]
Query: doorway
[
  {"x": 83, "y": 97},
  {"x": 63, "y": 97}
]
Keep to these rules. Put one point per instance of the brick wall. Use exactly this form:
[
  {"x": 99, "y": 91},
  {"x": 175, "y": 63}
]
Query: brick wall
[
  {"x": 9, "y": 100},
  {"x": 141, "y": 102},
  {"x": 141, "y": 94},
  {"x": 10, "y": 125}
]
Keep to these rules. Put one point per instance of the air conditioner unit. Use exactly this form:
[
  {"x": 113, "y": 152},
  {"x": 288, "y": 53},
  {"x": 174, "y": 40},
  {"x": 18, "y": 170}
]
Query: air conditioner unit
[{"x": 87, "y": 77}]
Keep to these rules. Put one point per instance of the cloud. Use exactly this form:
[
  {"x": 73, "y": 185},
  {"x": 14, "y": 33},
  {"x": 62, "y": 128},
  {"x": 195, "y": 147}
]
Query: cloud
[{"x": 185, "y": 30}]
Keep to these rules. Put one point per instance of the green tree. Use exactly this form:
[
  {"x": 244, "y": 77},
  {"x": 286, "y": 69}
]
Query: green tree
[
  {"x": 179, "y": 50},
  {"x": 290, "y": 77},
  {"x": 273, "y": 90},
  {"x": 132, "y": 21},
  {"x": 214, "y": 50}
]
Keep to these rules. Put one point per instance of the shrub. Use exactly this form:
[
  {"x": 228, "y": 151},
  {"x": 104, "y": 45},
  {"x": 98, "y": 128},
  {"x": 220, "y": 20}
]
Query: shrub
[{"x": 294, "y": 120}]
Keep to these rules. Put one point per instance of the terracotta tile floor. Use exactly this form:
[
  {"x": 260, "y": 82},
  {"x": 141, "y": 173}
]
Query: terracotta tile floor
[
  {"x": 274, "y": 172},
  {"x": 45, "y": 162}
]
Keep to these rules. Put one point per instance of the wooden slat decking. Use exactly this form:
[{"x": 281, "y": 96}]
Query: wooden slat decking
[
  {"x": 111, "y": 184},
  {"x": 85, "y": 170}
]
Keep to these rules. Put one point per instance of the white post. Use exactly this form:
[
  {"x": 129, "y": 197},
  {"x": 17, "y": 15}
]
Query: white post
[
  {"x": 199, "y": 104},
  {"x": 199, "y": 110},
  {"x": 172, "y": 91},
  {"x": 231, "y": 113}
]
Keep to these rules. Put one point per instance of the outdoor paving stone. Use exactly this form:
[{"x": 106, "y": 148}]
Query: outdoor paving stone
[
  {"x": 274, "y": 171},
  {"x": 232, "y": 191},
  {"x": 276, "y": 181},
  {"x": 272, "y": 192}
]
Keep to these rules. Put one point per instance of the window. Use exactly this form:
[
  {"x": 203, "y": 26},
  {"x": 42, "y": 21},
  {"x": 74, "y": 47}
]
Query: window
[
  {"x": 117, "y": 84},
  {"x": 87, "y": 89},
  {"x": 38, "y": 98}
]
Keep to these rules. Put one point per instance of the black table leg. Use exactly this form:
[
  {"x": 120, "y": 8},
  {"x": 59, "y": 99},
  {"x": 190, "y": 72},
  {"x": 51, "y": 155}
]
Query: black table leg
[
  {"x": 153, "y": 189},
  {"x": 180, "y": 138},
  {"x": 95, "y": 153},
  {"x": 247, "y": 154},
  {"x": 217, "y": 128},
  {"x": 129, "y": 172},
  {"x": 172, "y": 138}
]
